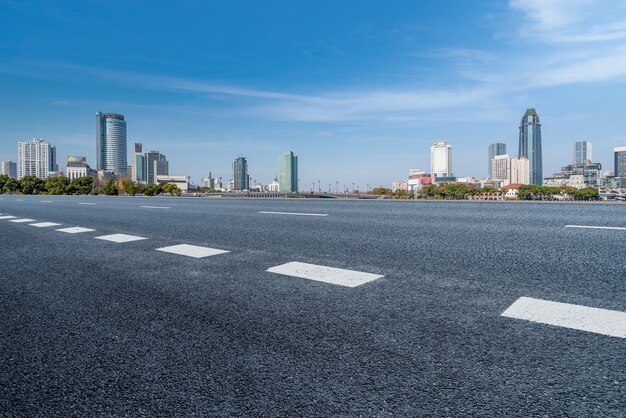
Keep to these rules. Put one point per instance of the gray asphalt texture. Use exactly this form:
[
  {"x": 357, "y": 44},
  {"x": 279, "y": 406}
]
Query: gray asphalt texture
[{"x": 90, "y": 327}]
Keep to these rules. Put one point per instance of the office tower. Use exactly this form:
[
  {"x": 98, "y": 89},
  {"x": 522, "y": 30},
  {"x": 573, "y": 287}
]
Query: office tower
[
  {"x": 288, "y": 173},
  {"x": 582, "y": 152},
  {"x": 510, "y": 170},
  {"x": 138, "y": 171},
  {"x": 54, "y": 167},
  {"x": 530, "y": 145},
  {"x": 494, "y": 150},
  {"x": 9, "y": 168},
  {"x": 441, "y": 159},
  {"x": 620, "y": 161},
  {"x": 520, "y": 171},
  {"x": 34, "y": 158},
  {"x": 111, "y": 143},
  {"x": 240, "y": 174},
  {"x": 156, "y": 165},
  {"x": 501, "y": 168}
]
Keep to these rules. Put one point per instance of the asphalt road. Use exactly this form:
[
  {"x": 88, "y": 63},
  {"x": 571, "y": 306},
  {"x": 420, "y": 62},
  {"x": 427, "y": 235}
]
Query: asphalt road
[{"x": 93, "y": 327}]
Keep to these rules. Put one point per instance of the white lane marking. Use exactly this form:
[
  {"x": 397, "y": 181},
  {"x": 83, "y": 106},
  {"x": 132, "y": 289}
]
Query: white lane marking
[
  {"x": 46, "y": 201},
  {"x": 44, "y": 224},
  {"x": 19, "y": 200},
  {"x": 583, "y": 318},
  {"x": 192, "y": 250},
  {"x": 295, "y": 213},
  {"x": 120, "y": 238},
  {"x": 8, "y": 217},
  {"x": 86, "y": 203},
  {"x": 23, "y": 220},
  {"x": 75, "y": 230},
  {"x": 155, "y": 207},
  {"x": 596, "y": 227},
  {"x": 349, "y": 278}
]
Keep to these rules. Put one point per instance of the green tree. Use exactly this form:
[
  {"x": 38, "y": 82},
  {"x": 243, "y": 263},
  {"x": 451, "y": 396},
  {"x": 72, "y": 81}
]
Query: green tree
[
  {"x": 32, "y": 185},
  {"x": 11, "y": 186},
  {"x": 172, "y": 189},
  {"x": 133, "y": 188},
  {"x": 56, "y": 185},
  {"x": 152, "y": 190},
  {"x": 109, "y": 188},
  {"x": 3, "y": 180},
  {"x": 83, "y": 185}
]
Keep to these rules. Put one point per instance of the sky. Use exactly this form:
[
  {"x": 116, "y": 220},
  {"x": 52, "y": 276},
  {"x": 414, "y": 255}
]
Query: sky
[{"x": 359, "y": 90}]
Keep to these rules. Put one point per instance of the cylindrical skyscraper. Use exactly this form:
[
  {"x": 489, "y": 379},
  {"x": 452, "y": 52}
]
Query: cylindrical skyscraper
[
  {"x": 530, "y": 145},
  {"x": 111, "y": 143}
]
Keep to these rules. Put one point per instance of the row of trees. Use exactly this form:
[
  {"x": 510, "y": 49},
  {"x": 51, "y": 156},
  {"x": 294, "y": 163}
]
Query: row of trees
[
  {"x": 82, "y": 186},
  {"x": 534, "y": 192}
]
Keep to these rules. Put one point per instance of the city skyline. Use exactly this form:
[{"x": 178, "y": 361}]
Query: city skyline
[{"x": 357, "y": 116}]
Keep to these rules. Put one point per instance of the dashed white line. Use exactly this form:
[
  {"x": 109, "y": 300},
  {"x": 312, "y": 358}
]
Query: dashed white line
[
  {"x": 583, "y": 318},
  {"x": 8, "y": 217},
  {"x": 191, "y": 250},
  {"x": 75, "y": 230},
  {"x": 86, "y": 203},
  {"x": 46, "y": 201},
  {"x": 155, "y": 207},
  {"x": 348, "y": 278},
  {"x": 21, "y": 221},
  {"x": 294, "y": 213},
  {"x": 619, "y": 228},
  {"x": 44, "y": 224},
  {"x": 120, "y": 238}
]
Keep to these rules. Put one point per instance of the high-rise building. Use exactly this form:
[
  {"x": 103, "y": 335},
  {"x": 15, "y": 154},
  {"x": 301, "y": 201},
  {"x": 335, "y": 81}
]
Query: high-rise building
[
  {"x": 582, "y": 152},
  {"x": 441, "y": 159},
  {"x": 111, "y": 143},
  {"x": 240, "y": 174},
  {"x": 520, "y": 171},
  {"x": 494, "y": 150},
  {"x": 288, "y": 172},
  {"x": 510, "y": 170},
  {"x": 138, "y": 171},
  {"x": 620, "y": 161},
  {"x": 35, "y": 158},
  {"x": 156, "y": 165},
  {"x": 530, "y": 145},
  {"x": 9, "y": 168}
]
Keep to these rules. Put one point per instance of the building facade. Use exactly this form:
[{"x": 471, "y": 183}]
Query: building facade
[
  {"x": 138, "y": 172},
  {"x": 620, "y": 161},
  {"x": 530, "y": 145},
  {"x": 494, "y": 150},
  {"x": 156, "y": 164},
  {"x": 77, "y": 167},
  {"x": 441, "y": 159},
  {"x": 9, "y": 168},
  {"x": 111, "y": 143},
  {"x": 288, "y": 172},
  {"x": 240, "y": 174},
  {"x": 582, "y": 152},
  {"x": 582, "y": 175},
  {"x": 35, "y": 158},
  {"x": 510, "y": 170}
]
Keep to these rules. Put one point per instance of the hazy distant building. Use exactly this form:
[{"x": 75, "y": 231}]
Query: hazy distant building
[
  {"x": 156, "y": 165},
  {"x": 587, "y": 174},
  {"x": 494, "y": 150},
  {"x": 111, "y": 143},
  {"x": 510, "y": 170},
  {"x": 208, "y": 182},
  {"x": 35, "y": 158},
  {"x": 288, "y": 172},
  {"x": 582, "y": 152},
  {"x": 274, "y": 186},
  {"x": 9, "y": 168},
  {"x": 620, "y": 161},
  {"x": 530, "y": 145},
  {"x": 77, "y": 167},
  {"x": 441, "y": 159},
  {"x": 240, "y": 174},
  {"x": 138, "y": 163}
]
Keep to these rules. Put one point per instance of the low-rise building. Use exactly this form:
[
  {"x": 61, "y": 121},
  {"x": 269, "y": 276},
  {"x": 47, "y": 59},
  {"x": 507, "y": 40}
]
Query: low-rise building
[
  {"x": 77, "y": 167},
  {"x": 182, "y": 182}
]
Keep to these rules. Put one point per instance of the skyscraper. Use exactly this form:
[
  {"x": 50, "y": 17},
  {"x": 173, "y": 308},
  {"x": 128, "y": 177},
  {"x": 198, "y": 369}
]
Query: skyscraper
[
  {"x": 240, "y": 174},
  {"x": 34, "y": 158},
  {"x": 9, "y": 168},
  {"x": 156, "y": 165},
  {"x": 582, "y": 152},
  {"x": 530, "y": 145},
  {"x": 111, "y": 143},
  {"x": 620, "y": 161},
  {"x": 288, "y": 172},
  {"x": 441, "y": 159},
  {"x": 138, "y": 165},
  {"x": 494, "y": 150}
]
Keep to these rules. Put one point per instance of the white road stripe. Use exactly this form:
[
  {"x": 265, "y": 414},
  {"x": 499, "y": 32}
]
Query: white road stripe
[
  {"x": 8, "y": 217},
  {"x": 583, "y": 318},
  {"x": 21, "y": 221},
  {"x": 46, "y": 201},
  {"x": 294, "y": 213},
  {"x": 44, "y": 224},
  {"x": 349, "y": 278},
  {"x": 120, "y": 238},
  {"x": 155, "y": 207},
  {"x": 86, "y": 203},
  {"x": 192, "y": 250},
  {"x": 596, "y": 227},
  {"x": 75, "y": 230}
]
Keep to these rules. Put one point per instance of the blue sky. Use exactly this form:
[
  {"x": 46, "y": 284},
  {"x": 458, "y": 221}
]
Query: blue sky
[{"x": 357, "y": 89}]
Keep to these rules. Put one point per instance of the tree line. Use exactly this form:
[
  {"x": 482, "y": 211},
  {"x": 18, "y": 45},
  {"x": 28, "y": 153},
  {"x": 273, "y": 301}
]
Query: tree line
[{"x": 82, "y": 186}]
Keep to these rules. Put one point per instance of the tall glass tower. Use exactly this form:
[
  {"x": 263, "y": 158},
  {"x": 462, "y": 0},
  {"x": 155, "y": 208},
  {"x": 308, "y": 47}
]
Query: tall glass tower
[
  {"x": 582, "y": 152},
  {"x": 111, "y": 143},
  {"x": 288, "y": 172},
  {"x": 530, "y": 145},
  {"x": 240, "y": 174},
  {"x": 494, "y": 150}
]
